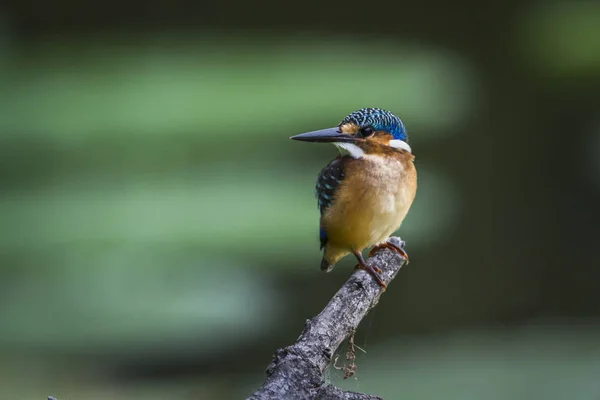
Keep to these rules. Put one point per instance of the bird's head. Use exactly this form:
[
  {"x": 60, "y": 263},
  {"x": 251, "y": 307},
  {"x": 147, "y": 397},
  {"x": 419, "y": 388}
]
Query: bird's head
[{"x": 366, "y": 131}]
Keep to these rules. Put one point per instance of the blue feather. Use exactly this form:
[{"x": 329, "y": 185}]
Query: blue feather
[
  {"x": 327, "y": 184},
  {"x": 379, "y": 120},
  {"x": 322, "y": 237}
]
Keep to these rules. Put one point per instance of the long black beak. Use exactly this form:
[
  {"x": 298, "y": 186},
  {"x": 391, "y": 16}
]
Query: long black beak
[{"x": 325, "y": 136}]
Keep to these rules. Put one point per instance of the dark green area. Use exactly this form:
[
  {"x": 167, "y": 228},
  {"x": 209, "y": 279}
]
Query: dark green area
[{"x": 159, "y": 233}]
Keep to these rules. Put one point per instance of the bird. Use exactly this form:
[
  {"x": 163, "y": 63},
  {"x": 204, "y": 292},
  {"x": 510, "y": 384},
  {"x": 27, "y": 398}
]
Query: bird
[{"x": 365, "y": 193}]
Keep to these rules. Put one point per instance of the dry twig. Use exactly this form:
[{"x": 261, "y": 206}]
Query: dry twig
[{"x": 296, "y": 371}]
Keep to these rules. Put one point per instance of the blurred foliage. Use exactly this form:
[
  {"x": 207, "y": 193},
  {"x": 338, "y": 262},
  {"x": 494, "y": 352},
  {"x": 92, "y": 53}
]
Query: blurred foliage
[
  {"x": 545, "y": 362},
  {"x": 115, "y": 234},
  {"x": 562, "y": 38},
  {"x": 159, "y": 232}
]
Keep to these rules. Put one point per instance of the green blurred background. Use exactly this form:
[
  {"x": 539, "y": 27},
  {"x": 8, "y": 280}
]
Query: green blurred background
[{"x": 158, "y": 231}]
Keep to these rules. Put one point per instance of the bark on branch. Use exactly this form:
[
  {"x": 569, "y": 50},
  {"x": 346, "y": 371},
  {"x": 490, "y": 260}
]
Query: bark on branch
[{"x": 296, "y": 371}]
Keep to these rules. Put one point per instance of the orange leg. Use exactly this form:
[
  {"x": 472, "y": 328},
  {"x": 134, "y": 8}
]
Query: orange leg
[
  {"x": 378, "y": 270},
  {"x": 391, "y": 246},
  {"x": 373, "y": 271}
]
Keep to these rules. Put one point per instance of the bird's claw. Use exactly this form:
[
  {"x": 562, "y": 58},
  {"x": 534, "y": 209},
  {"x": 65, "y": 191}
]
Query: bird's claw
[
  {"x": 391, "y": 246},
  {"x": 378, "y": 270},
  {"x": 374, "y": 272}
]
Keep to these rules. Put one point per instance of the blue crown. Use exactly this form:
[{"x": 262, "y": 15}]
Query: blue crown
[{"x": 379, "y": 120}]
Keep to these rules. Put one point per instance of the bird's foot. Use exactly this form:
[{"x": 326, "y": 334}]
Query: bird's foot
[
  {"x": 378, "y": 270},
  {"x": 374, "y": 272},
  {"x": 391, "y": 246}
]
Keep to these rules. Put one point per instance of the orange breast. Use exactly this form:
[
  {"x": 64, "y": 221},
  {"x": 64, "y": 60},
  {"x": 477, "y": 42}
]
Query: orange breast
[{"x": 371, "y": 202}]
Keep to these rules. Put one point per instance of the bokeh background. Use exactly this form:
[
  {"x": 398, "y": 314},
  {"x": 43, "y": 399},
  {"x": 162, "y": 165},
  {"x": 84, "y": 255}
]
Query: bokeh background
[{"x": 158, "y": 230}]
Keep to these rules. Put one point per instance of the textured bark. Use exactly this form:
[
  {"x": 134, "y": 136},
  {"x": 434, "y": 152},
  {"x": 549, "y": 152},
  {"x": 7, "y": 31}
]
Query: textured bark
[{"x": 296, "y": 371}]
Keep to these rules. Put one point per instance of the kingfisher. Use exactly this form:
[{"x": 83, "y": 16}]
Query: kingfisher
[{"x": 365, "y": 193}]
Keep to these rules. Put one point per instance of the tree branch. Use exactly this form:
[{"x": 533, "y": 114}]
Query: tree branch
[{"x": 296, "y": 371}]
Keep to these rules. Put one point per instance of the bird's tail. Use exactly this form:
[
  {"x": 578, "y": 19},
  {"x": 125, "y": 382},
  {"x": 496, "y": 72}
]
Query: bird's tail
[
  {"x": 326, "y": 266},
  {"x": 331, "y": 256}
]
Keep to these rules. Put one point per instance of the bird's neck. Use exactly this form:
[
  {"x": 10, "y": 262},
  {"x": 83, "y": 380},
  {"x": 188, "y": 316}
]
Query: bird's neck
[
  {"x": 350, "y": 149},
  {"x": 394, "y": 148}
]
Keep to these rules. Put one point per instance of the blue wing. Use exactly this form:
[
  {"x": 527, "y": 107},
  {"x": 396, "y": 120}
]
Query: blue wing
[{"x": 328, "y": 182}]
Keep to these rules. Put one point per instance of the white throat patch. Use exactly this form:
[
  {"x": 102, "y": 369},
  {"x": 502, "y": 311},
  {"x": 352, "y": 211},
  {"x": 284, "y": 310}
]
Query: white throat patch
[
  {"x": 357, "y": 152},
  {"x": 400, "y": 144},
  {"x": 350, "y": 148}
]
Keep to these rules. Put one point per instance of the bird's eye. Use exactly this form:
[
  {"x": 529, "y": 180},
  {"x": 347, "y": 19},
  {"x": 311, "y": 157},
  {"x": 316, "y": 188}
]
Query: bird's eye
[{"x": 366, "y": 131}]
